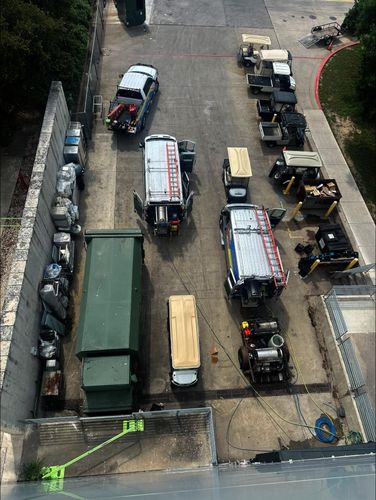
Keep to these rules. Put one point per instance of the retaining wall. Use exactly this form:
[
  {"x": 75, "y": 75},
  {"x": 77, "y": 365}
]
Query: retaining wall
[{"x": 21, "y": 314}]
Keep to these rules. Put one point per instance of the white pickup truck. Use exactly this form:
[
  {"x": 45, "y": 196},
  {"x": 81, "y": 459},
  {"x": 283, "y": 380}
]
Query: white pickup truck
[{"x": 133, "y": 100}]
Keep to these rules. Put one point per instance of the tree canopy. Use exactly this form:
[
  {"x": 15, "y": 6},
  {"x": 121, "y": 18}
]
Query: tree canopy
[
  {"x": 41, "y": 41},
  {"x": 361, "y": 20}
]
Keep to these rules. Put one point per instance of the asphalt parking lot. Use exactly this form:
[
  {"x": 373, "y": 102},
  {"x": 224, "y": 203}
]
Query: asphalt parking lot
[{"x": 203, "y": 97}]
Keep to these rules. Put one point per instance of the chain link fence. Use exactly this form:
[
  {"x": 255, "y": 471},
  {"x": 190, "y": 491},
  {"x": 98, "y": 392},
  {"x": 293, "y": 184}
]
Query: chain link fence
[{"x": 84, "y": 111}]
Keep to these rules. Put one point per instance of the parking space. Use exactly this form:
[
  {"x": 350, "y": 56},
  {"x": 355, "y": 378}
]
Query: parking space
[{"x": 203, "y": 97}]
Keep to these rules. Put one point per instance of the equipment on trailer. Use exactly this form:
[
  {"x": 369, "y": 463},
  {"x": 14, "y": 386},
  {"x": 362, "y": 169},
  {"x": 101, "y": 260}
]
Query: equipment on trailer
[
  {"x": 324, "y": 32},
  {"x": 264, "y": 355},
  {"x": 254, "y": 267},
  {"x": 279, "y": 102},
  {"x": 247, "y": 55},
  {"x": 280, "y": 78},
  {"x": 336, "y": 251},
  {"x": 297, "y": 164},
  {"x": 133, "y": 100},
  {"x": 289, "y": 132},
  {"x": 168, "y": 198},
  {"x": 236, "y": 173}
]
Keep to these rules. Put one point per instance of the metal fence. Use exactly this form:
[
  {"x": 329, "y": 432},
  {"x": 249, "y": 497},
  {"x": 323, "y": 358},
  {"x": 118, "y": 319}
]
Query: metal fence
[
  {"x": 358, "y": 295},
  {"x": 89, "y": 84},
  {"x": 178, "y": 438}
]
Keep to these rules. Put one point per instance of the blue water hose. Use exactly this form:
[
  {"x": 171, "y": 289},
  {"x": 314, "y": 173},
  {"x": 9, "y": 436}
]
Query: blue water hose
[{"x": 323, "y": 436}]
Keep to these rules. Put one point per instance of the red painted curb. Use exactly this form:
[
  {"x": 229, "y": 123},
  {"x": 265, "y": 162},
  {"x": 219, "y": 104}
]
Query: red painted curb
[{"x": 318, "y": 74}]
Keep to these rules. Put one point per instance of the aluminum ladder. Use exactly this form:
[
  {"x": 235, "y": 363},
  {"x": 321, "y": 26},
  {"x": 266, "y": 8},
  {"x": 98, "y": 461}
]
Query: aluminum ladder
[
  {"x": 173, "y": 171},
  {"x": 270, "y": 246}
]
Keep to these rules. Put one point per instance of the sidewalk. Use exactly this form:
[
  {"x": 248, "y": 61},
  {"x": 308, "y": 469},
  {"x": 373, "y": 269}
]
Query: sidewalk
[{"x": 352, "y": 208}]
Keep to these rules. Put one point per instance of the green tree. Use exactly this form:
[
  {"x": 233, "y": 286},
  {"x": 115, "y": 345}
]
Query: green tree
[
  {"x": 41, "y": 41},
  {"x": 361, "y": 21}
]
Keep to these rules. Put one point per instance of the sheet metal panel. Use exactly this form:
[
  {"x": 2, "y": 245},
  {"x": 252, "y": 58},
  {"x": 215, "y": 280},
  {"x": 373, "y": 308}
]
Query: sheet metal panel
[
  {"x": 162, "y": 176},
  {"x": 248, "y": 243}
]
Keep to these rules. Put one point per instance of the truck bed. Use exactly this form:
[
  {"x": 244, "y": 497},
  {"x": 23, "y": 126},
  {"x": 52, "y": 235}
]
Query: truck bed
[
  {"x": 258, "y": 80},
  {"x": 270, "y": 131}
]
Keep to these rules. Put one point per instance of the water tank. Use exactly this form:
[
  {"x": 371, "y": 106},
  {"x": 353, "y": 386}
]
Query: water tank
[{"x": 276, "y": 341}]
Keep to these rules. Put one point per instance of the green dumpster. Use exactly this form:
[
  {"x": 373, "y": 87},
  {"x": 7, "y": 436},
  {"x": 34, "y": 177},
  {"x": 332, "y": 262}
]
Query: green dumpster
[
  {"x": 108, "y": 336},
  {"x": 131, "y": 12}
]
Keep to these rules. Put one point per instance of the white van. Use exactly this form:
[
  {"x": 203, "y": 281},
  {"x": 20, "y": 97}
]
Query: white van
[{"x": 184, "y": 340}]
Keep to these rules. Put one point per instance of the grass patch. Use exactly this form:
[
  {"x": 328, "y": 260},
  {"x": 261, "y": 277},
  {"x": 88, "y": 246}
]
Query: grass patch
[{"x": 355, "y": 135}]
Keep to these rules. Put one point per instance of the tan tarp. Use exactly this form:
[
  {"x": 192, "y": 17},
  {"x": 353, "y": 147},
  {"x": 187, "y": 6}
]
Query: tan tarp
[
  {"x": 274, "y": 55},
  {"x": 256, "y": 39},
  {"x": 185, "y": 347},
  {"x": 240, "y": 165}
]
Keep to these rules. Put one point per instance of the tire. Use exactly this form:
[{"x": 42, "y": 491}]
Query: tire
[
  {"x": 243, "y": 358},
  {"x": 255, "y": 91}
]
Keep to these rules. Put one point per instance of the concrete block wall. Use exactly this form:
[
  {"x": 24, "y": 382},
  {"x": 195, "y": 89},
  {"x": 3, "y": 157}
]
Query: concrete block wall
[{"x": 20, "y": 320}]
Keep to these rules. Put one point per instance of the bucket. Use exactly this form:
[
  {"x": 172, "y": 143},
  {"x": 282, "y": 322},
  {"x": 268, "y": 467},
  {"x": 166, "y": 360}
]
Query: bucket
[{"x": 276, "y": 341}]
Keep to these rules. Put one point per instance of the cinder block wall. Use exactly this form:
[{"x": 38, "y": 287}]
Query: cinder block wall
[{"x": 22, "y": 309}]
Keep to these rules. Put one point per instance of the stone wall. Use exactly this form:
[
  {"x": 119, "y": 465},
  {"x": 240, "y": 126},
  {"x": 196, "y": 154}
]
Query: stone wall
[{"x": 20, "y": 320}]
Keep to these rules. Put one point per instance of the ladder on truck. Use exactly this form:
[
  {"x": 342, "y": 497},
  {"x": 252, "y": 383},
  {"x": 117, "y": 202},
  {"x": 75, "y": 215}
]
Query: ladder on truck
[
  {"x": 270, "y": 246},
  {"x": 173, "y": 171}
]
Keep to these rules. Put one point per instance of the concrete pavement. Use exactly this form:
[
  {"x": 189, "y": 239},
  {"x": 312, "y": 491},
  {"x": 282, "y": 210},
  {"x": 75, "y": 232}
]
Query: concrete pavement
[{"x": 203, "y": 97}]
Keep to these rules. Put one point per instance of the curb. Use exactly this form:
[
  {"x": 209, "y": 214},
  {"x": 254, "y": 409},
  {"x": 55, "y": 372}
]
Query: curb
[{"x": 319, "y": 71}]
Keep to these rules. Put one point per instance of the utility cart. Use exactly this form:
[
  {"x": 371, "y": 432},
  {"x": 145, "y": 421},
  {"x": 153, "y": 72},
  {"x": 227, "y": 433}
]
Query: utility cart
[
  {"x": 324, "y": 32},
  {"x": 279, "y": 102},
  {"x": 296, "y": 165},
  {"x": 266, "y": 58},
  {"x": 237, "y": 171},
  {"x": 264, "y": 356},
  {"x": 280, "y": 78},
  {"x": 289, "y": 132},
  {"x": 247, "y": 54}
]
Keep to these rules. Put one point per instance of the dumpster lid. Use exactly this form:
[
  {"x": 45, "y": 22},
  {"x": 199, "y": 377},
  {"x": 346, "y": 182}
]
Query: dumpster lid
[
  {"x": 240, "y": 164},
  {"x": 256, "y": 39},
  {"x": 302, "y": 159},
  {"x": 184, "y": 336},
  {"x": 100, "y": 372}
]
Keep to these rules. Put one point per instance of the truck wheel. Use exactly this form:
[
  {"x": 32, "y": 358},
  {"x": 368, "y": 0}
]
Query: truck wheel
[
  {"x": 270, "y": 144},
  {"x": 243, "y": 358},
  {"x": 255, "y": 91}
]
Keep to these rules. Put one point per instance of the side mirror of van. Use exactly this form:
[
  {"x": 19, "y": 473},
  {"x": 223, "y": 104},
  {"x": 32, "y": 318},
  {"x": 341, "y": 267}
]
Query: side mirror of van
[
  {"x": 121, "y": 75},
  {"x": 141, "y": 145}
]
